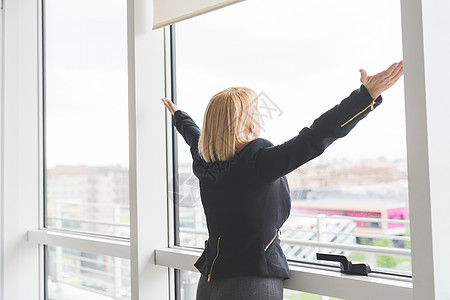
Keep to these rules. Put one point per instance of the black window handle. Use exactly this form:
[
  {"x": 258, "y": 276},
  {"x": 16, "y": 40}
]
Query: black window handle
[{"x": 346, "y": 265}]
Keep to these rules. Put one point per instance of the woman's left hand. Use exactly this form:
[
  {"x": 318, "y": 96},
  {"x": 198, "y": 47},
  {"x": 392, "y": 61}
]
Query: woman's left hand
[
  {"x": 170, "y": 106},
  {"x": 380, "y": 82}
]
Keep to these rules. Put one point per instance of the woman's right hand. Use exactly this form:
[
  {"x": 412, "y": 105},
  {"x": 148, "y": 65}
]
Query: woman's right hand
[
  {"x": 170, "y": 106},
  {"x": 380, "y": 82}
]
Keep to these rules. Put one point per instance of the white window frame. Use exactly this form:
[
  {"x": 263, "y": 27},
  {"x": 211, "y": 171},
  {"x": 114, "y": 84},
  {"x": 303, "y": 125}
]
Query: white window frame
[
  {"x": 426, "y": 57},
  {"x": 20, "y": 260}
]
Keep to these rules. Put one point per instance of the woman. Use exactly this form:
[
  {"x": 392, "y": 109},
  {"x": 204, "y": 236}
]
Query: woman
[{"x": 243, "y": 187}]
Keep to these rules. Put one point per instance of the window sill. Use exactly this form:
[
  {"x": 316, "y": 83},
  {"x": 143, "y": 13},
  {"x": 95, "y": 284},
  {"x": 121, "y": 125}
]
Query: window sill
[
  {"x": 318, "y": 280},
  {"x": 117, "y": 247}
]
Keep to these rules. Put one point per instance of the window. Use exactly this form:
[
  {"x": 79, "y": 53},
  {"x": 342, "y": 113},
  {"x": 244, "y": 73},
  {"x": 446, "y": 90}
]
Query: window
[
  {"x": 86, "y": 143},
  {"x": 302, "y": 59},
  {"x": 74, "y": 274},
  {"x": 86, "y": 116}
]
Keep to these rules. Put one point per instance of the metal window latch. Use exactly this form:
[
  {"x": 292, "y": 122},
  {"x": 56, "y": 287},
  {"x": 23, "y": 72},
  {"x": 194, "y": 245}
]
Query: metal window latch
[{"x": 347, "y": 266}]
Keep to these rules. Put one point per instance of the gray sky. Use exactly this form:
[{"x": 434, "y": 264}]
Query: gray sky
[
  {"x": 86, "y": 82},
  {"x": 304, "y": 55}
]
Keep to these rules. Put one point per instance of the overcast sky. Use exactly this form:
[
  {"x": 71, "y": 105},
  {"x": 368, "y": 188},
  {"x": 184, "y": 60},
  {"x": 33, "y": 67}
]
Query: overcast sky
[
  {"x": 304, "y": 56},
  {"x": 86, "y": 82}
]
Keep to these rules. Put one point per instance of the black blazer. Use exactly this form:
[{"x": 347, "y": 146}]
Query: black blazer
[{"x": 246, "y": 200}]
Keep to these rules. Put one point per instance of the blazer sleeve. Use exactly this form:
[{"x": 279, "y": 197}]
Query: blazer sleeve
[
  {"x": 276, "y": 161},
  {"x": 188, "y": 129}
]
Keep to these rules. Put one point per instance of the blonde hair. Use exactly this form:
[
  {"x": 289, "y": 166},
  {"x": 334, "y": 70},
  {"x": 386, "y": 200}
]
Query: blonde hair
[{"x": 227, "y": 119}]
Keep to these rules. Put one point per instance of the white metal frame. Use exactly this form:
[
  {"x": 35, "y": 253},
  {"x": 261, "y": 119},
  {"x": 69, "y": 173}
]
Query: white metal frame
[
  {"x": 148, "y": 208},
  {"x": 116, "y": 247},
  {"x": 1, "y": 154},
  {"x": 20, "y": 150},
  {"x": 426, "y": 45},
  {"x": 426, "y": 59}
]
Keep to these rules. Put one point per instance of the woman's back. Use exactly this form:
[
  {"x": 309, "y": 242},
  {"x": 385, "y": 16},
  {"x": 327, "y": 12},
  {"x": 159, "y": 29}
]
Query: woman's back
[
  {"x": 235, "y": 201},
  {"x": 246, "y": 198}
]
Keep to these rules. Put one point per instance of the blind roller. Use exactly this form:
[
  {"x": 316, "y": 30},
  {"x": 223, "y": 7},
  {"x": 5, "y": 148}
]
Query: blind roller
[{"x": 166, "y": 12}]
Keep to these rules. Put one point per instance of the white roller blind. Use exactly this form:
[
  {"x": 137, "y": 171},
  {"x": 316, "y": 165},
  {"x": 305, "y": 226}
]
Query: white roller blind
[{"x": 166, "y": 12}]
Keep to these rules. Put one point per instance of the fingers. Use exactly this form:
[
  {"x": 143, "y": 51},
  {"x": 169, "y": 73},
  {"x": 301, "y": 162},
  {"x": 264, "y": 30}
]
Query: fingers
[
  {"x": 391, "y": 69},
  {"x": 173, "y": 107},
  {"x": 167, "y": 104},
  {"x": 363, "y": 76},
  {"x": 399, "y": 72},
  {"x": 395, "y": 75},
  {"x": 388, "y": 72},
  {"x": 394, "y": 71},
  {"x": 398, "y": 68},
  {"x": 170, "y": 106}
]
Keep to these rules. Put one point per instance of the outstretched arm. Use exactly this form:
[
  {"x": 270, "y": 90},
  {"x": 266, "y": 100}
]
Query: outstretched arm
[
  {"x": 277, "y": 161},
  {"x": 184, "y": 124}
]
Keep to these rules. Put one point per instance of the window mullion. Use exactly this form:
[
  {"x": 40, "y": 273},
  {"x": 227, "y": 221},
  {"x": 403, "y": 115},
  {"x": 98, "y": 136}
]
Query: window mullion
[
  {"x": 426, "y": 59},
  {"x": 148, "y": 166}
]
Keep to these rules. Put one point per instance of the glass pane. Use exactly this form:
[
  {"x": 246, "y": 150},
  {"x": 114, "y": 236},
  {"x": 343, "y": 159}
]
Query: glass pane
[
  {"x": 302, "y": 58},
  {"x": 74, "y": 275},
  {"x": 86, "y": 111},
  {"x": 188, "y": 284}
]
